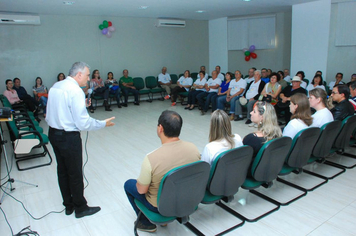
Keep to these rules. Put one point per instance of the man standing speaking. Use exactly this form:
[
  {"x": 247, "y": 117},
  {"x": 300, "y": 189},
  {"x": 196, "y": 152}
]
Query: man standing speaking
[{"x": 66, "y": 117}]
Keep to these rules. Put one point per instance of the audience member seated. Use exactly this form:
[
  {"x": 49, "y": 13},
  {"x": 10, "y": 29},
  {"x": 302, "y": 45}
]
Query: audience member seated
[
  {"x": 338, "y": 80},
  {"x": 286, "y": 75},
  {"x": 222, "y": 92},
  {"x": 164, "y": 79},
  {"x": 251, "y": 76},
  {"x": 264, "y": 115},
  {"x": 198, "y": 86},
  {"x": 272, "y": 89},
  {"x": 41, "y": 94},
  {"x": 13, "y": 98},
  {"x": 353, "y": 78},
  {"x": 114, "y": 87},
  {"x": 99, "y": 89},
  {"x": 301, "y": 75},
  {"x": 235, "y": 91},
  {"x": 316, "y": 83},
  {"x": 184, "y": 83},
  {"x": 343, "y": 108},
  {"x": 22, "y": 93},
  {"x": 127, "y": 86},
  {"x": 264, "y": 75},
  {"x": 352, "y": 87},
  {"x": 220, "y": 75},
  {"x": 251, "y": 95},
  {"x": 211, "y": 87},
  {"x": 301, "y": 115},
  {"x": 283, "y": 103},
  {"x": 206, "y": 77},
  {"x": 221, "y": 138},
  {"x": 173, "y": 153},
  {"x": 319, "y": 72},
  {"x": 281, "y": 81},
  {"x": 318, "y": 101},
  {"x": 60, "y": 77}
]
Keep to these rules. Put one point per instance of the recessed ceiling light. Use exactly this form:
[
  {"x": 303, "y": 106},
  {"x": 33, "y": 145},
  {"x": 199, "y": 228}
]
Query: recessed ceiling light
[
  {"x": 143, "y": 7},
  {"x": 68, "y": 3},
  {"x": 246, "y": 0},
  {"x": 200, "y": 11}
]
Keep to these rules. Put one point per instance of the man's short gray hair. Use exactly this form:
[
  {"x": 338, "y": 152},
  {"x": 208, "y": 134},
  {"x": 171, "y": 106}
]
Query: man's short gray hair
[
  {"x": 77, "y": 67},
  {"x": 258, "y": 71}
]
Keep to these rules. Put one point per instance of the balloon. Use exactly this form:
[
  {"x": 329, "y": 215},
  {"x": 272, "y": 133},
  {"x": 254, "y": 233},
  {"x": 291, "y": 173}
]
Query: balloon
[
  {"x": 247, "y": 53},
  {"x": 247, "y": 58},
  {"x": 109, "y": 23},
  {"x": 253, "y": 55},
  {"x": 252, "y": 48},
  {"x": 245, "y": 49},
  {"x": 109, "y": 34},
  {"x": 101, "y": 27},
  {"x": 105, "y": 24},
  {"x": 111, "y": 28},
  {"x": 104, "y": 31}
]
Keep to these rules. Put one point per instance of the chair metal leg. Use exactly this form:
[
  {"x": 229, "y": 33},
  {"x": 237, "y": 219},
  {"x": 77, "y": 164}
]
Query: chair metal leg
[{"x": 136, "y": 223}]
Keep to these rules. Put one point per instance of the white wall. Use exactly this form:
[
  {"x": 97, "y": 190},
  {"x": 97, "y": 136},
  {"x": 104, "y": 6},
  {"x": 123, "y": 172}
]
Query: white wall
[
  {"x": 340, "y": 59},
  {"x": 275, "y": 59},
  {"x": 218, "y": 54},
  {"x": 53, "y": 46},
  {"x": 310, "y": 37}
]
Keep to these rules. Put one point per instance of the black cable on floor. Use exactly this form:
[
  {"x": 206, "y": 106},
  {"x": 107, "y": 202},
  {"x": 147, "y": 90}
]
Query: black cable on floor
[
  {"x": 86, "y": 161},
  {"x": 12, "y": 232}
]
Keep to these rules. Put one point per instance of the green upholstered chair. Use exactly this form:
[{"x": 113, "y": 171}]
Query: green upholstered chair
[
  {"x": 265, "y": 169},
  {"x": 179, "y": 194},
  {"x": 322, "y": 149},
  {"x": 194, "y": 75},
  {"x": 174, "y": 78},
  {"x": 140, "y": 86},
  {"x": 302, "y": 147},
  {"x": 152, "y": 85}
]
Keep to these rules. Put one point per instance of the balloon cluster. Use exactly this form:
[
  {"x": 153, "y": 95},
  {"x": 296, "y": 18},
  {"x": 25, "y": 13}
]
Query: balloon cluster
[
  {"x": 107, "y": 28},
  {"x": 250, "y": 53}
]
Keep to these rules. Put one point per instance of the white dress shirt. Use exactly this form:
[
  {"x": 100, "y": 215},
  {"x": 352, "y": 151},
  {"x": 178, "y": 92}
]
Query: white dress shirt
[{"x": 66, "y": 109}]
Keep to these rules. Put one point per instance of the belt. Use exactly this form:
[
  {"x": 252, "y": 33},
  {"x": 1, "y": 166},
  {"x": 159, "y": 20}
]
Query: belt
[{"x": 62, "y": 131}]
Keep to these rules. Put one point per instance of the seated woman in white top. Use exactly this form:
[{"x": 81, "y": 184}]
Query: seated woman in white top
[
  {"x": 316, "y": 83},
  {"x": 301, "y": 115},
  {"x": 220, "y": 137},
  {"x": 318, "y": 101}
]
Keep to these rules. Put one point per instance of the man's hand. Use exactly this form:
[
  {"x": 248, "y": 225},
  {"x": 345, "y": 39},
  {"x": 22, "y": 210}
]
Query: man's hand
[
  {"x": 109, "y": 121},
  {"x": 88, "y": 103}
]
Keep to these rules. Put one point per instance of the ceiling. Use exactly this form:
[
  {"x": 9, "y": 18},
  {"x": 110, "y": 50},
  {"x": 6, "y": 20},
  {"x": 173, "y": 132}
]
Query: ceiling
[{"x": 182, "y": 9}]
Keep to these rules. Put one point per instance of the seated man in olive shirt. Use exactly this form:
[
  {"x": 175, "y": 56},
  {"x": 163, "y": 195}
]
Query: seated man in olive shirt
[{"x": 173, "y": 153}]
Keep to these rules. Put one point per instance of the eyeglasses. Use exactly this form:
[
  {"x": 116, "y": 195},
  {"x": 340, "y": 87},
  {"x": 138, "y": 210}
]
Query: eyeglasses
[{"x": 334, "y": 92}]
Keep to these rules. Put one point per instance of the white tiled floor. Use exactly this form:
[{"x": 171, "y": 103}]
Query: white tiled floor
[{"x": 115, "y": 155}]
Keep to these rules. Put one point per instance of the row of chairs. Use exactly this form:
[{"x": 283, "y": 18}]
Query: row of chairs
[
  {"x": 24, "y": 126},
  {"x": 283, "y": 160}
]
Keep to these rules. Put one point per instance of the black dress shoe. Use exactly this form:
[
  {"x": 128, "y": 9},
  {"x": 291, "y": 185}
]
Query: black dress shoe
[
  {"x": 136, "y": 103},
  {"x": 87, "y": 212},
  {"x": 124, "y": 104},
  {"x": 119, "y": 105},
  {"x": 69, "y": 210},
  {"x": 248, "y": 122},
  {"x": 107, "y": 108},
  {"x": 237, "y": 118}
]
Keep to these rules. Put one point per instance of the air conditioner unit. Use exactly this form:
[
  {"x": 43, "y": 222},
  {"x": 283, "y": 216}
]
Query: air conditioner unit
[
  {"x": 17, "y": 19},
  {"x": 170, "y": 23}
]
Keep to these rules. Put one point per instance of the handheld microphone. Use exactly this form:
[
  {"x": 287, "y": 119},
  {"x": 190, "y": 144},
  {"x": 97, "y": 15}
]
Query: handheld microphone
[{"x": 90, "y": 91}]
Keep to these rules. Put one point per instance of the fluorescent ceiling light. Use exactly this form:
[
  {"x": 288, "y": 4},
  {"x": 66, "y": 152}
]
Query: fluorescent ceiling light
[
  {"x": 142, "y": 7},
  {"x": 200, "y": 11},
  {"x": 68, "y": 3}
]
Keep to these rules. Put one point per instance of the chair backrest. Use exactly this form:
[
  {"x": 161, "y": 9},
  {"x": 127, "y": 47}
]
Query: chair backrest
[
  {"x": 343, "y": 138},
  {"x": 270, "y": 159},
  {"x": 180, "y": 75},
  {"x": 326, "y": 139},
  {"x": 151, "y": 82},
  {"x": 306, "y": 81},
  {"x": 174, "y": 78},
  {"x": 182, "y": 189},
  {"x": 194, "y": 75},
  {"x": 229, "y": 170},
  {"x": 302, "y": 147},
  {"x": 138, "y": 83}
]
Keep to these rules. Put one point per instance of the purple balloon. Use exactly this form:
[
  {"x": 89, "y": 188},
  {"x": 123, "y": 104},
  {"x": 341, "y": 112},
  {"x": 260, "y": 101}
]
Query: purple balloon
[
  {"x": 252, "y": 48},
  {"x": 109, "y": 34},
  {"x": 111, "y": 28},
  {"x": 245, "y": 49},
  {"x": 104, "y": 31}
]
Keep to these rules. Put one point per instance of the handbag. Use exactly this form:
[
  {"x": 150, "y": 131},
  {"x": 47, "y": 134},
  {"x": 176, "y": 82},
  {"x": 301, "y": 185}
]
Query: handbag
[
  {"x": 42, "y": 95},
  {"x": 268, "y": 98}
]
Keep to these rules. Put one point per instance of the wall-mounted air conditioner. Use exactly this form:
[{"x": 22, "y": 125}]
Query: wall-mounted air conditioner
[
  {"x": 170, "y": 23},
  {"x": 18, "y": 19}
]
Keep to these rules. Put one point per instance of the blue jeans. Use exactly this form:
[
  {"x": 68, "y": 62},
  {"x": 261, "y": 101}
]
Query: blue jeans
[
  {"x": 43, "y": 101},
  {"x": 117, "y": 95},
  {"x": 201, "y": 96},
  {"x": 232, "y": 104},
  {"x": 192, "y": 96},
  {"x": 219, "y": 102},
  {"x": 132, "y": 194}
]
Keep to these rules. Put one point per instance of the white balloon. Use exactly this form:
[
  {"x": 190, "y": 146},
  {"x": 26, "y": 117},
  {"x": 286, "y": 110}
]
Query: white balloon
[
  {"x": 111, "y": 28},
  {"x": 109, "y": 34}
]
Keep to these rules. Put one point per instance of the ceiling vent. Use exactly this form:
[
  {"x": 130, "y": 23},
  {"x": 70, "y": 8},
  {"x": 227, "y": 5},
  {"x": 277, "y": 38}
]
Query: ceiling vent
[
  {"x": 15, "y": 19},
  {"x": 170, "y": 23}
]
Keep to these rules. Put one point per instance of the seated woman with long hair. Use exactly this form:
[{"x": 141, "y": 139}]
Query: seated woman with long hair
[
  {"x": 301, "y": 115},
  {"x": 272, "y": 88},
  {"x": 264, "y": 115},
  {"x": 318, "y": 101},
  {"x": 220, "y": 137},
  {"x": 316, "y": 83}
]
